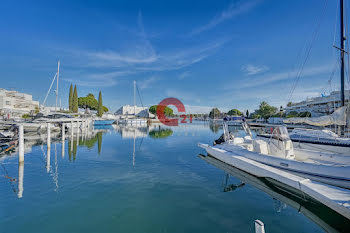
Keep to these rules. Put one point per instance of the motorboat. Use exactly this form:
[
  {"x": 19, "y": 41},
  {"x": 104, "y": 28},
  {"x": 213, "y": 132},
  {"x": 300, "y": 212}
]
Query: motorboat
[
  {"x": 278, "y": 151},
  {"x": 282, "y": 195}
]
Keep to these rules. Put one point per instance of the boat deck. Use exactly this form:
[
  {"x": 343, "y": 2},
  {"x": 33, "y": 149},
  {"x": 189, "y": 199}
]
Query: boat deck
[{"x": 335, "y": 198}]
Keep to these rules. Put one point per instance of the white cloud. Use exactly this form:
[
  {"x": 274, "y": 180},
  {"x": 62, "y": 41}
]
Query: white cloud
[
  {"x": 140, "y": 58},
  {"x": 234, "y": 9},
  {"x": 260, "y": 80},
  {"x": 106, "y": 79},
  {"x": 147, "y": 82},
  {"x": 253, "y": 70}
]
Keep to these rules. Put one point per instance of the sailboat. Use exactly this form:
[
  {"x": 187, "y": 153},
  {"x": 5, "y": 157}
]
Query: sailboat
[
  {"x": 319, "y": 139},
  {"x": 325, "y": 139},
  {"x": 135, "y": 120},
  {"x": 278, "y": 150}
]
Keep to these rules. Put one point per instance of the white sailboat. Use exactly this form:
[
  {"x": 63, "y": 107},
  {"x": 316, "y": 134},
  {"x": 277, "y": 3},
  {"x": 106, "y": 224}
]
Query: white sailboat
[
  {"x": 135, "y": 120},
  {"x": 325, "y": 139},
  {"x": 319, "y": 139}
]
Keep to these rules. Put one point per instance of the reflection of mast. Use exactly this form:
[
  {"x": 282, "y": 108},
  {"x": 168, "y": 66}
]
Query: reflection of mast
[
  {"x": 133, "y": 154},
  {"x": 55, "y": 175}
]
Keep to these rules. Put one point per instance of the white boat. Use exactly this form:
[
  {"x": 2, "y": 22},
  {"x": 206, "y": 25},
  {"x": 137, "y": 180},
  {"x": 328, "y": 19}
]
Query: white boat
[
  {"x": 281, "y": 194},
  {"x": 319, "y": 139},
  {"x": 325, "y": 139},
  {"x": 314, "y": 139},
  {"x": 278, "y": 152}
]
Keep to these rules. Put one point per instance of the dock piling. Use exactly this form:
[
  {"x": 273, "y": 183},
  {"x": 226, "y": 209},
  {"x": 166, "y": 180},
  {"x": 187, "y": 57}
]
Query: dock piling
[
  {"x": 48, "y": 135},
  {"x": 259, "y": 227},
  {"x": 21, "y": 144}
]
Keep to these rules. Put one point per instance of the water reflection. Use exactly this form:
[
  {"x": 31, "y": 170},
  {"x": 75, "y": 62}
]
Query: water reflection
[
  {"x": 160, "y": 133},
  {"x": 215, "y": 127},
  {"x": 326, "y": 218},
  {"x": 120, "y": 151}
]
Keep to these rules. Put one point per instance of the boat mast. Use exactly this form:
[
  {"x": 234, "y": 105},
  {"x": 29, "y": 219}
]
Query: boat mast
[
  {"x": 342, "y": 52},
  {"x": 135, "y": 98},
  {"x": 58, "y": 75}
]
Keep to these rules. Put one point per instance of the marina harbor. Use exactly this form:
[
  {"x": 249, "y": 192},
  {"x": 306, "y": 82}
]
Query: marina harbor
[{"x": 175, "y": 116}]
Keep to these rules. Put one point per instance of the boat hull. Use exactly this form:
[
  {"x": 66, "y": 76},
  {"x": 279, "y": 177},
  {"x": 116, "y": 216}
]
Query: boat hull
[{"x": 334, "y": 175}]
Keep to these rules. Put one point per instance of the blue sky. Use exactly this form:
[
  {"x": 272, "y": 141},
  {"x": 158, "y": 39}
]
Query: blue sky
[{"x": 227, "y": 54}]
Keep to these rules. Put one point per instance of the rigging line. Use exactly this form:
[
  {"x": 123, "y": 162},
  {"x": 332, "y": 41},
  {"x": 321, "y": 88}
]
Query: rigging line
[
  {"x": 53, "y": 80},
  {"x": 335, "y": 24},
  {"x": 140, "y": 144},
  {"x": 308, "y": 50},
  {"x": 137, "y": 89}
]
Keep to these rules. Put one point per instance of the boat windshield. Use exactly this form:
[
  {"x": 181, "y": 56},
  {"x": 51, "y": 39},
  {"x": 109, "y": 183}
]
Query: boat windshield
[{"x": 281, "y": 133}]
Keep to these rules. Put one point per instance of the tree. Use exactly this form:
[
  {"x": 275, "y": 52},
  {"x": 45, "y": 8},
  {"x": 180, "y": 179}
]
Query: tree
[
  {"x": 70, "y": 101},
  {"x": 234, "y": 112},
  {"x": 214, "y": 113},
  {"x": 75, "y": 100},
  {"x": 265, "y": 110},
  {"x": 88, "y": 102},
  {"x": 167, "y": 111},
  {"x": 100, "y": 105},
  {"x": 289, "y": 104},
  {"x": 247, "y": 113}
]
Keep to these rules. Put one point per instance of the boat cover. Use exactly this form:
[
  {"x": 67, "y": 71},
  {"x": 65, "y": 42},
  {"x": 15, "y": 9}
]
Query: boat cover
[{"x": 338, "y": 117}]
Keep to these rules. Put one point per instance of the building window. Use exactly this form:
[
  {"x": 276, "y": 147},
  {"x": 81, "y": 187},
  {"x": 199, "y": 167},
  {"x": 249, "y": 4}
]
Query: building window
[{"x": 7, "y": 103}]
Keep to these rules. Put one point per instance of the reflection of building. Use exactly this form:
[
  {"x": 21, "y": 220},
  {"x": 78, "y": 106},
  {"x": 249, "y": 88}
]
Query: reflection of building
[
  {"x": 133, "y": 132},
  {"x": 130, "y": 110},
  {"x": 13, "y": 101},
  {"x": 319, "y": 105}
]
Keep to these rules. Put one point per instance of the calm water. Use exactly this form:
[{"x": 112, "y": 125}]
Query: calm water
[{"x": 102, "y": 185}]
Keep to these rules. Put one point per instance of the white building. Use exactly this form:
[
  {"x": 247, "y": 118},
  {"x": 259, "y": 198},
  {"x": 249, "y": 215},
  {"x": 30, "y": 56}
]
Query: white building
[
  {"x": 319, "y": 106},
  {"x": 129, "y": 110},
  {"x": 16, "y": 102}
]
